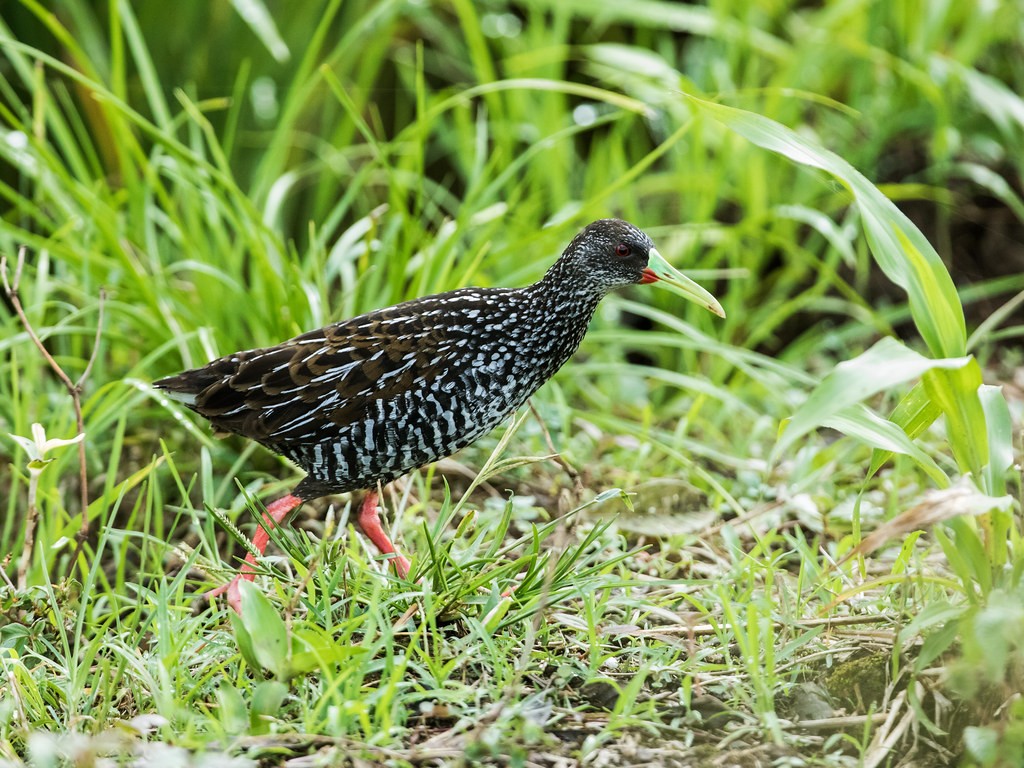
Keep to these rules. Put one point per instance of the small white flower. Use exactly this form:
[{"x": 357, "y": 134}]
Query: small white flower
[{"x": 38, "y": 446}]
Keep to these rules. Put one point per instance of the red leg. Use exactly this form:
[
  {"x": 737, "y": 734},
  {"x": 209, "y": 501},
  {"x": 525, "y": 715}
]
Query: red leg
[
  {"x": 275, "y": 513},
  {"x": 369, "y": 521}
]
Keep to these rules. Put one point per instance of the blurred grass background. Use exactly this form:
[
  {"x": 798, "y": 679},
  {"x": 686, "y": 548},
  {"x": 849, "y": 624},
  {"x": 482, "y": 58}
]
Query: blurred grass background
[{"x": 234, "y": 173}]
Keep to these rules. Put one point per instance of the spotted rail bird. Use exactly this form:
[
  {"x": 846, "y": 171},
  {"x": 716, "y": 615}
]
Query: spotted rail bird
[{"x": 362, "y": 402}]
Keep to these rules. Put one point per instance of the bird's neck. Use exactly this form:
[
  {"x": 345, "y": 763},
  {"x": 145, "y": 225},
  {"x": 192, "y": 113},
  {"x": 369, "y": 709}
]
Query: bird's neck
[
  {"x": 563, "y": 284},
  {"x": 559, "y": 308}
]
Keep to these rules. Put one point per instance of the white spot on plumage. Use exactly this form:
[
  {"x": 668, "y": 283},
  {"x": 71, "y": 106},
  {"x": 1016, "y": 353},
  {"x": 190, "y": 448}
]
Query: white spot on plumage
[{"x": 368, "y": 442}]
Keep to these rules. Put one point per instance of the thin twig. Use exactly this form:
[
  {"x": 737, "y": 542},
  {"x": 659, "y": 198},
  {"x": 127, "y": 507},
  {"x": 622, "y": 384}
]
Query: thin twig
[
  {"x": 73, "y": 388},
  {"x": 12, "y": 294},
  {"x": 704, "y": 630},
  {"x": 834, "y": 724},
  {"x": 570, "y": 470},
  {"x": 3, "y": 572}
]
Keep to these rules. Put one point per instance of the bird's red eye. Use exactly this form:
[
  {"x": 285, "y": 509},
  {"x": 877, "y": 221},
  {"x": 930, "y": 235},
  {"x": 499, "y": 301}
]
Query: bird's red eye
[{"x": 622, "y": 250}]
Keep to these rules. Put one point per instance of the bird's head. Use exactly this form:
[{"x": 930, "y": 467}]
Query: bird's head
[{"x": 611, "y": 253}]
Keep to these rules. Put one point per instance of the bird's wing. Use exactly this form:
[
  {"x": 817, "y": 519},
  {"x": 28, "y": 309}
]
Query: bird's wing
[{"x": 324, "y": 379}]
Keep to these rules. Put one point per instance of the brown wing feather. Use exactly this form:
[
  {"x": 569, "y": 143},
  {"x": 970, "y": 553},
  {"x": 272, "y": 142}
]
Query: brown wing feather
[{"x": 327, "y": 377}]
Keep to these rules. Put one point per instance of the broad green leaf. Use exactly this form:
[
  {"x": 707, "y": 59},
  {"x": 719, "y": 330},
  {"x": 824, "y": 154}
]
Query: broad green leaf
[
  {"x": 314, "y": 648},
  {"x": 231, "y": 709},
  {"x": 940, "y": 641},
  {"x": 914, "y": 414},
  {"x": 992, "y": 96},
  {"x": 266, "y": 629},
  {"x": 267, "y": 699},
  {"x": 958, "y": 549},
  {"x": 867, "y": 426},
  {"x": 997, "y": 629},
  {"x": 1000, "y": 438},
  {"x": 245, "y": 646},
  {"x": 899, "y": 248},
  {"x": 955, "y": 391},
  {"x": 966, "y": 538},
  {"x": 885, "y": 365},
  {"x": 266, "y": 644}
]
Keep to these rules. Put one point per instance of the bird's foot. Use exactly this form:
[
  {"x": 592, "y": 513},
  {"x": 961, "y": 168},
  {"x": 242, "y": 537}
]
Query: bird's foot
[
  {"x": 368, "y": 520},
  {"x": 402, "y": 565},
  {"x": 274, "y": 516},
  {"x": 233, "y": 590}
]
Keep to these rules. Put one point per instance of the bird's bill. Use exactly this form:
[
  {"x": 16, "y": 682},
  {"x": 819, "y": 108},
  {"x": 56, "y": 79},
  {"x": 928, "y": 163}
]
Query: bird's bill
[{"x": 660, "y": 271}]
